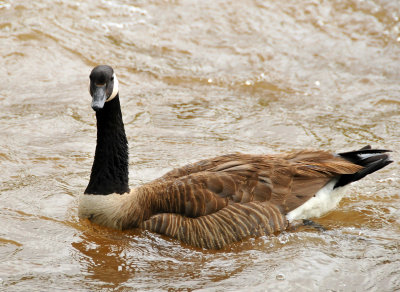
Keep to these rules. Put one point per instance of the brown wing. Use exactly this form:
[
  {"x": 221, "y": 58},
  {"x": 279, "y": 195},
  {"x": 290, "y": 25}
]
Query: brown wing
[
  {"x": 204, "y": 165},
  {"x": 285, "y": 180},
  {"x": 230, "y": 224},
  {"x": 218, "y": 193}
]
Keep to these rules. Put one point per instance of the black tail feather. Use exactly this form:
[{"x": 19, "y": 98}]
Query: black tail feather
[{"x": 371, "y": 159}]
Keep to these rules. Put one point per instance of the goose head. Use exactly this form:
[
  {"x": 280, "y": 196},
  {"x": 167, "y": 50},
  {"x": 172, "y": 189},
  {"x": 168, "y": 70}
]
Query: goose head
[{"x": 103, "y": 86}]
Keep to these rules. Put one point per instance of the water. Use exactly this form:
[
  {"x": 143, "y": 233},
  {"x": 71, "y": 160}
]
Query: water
[{"x": 197, "y": 79}]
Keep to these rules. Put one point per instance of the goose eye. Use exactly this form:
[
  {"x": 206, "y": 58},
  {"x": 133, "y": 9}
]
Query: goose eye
[{"x": 112, "y": 78}]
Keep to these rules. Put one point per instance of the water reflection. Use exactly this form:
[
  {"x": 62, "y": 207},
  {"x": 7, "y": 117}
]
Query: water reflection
[{"x": 102, "y": 253}]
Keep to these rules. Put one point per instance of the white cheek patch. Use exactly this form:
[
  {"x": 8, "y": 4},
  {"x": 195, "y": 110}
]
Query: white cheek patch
[{"x": 115, "y": 88}]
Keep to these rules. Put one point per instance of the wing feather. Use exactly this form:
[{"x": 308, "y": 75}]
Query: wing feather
[
  {"x": 214, "y": 231},
  {"x": 218, "y": 201}
]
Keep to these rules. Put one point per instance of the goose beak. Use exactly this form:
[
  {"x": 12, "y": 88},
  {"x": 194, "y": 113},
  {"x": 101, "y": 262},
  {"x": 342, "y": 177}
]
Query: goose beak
[{"x": 99, "y": 98}]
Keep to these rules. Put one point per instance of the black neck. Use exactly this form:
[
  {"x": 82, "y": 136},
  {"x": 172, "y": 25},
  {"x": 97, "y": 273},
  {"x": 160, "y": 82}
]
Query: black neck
[{"x": 110, "y": 166}]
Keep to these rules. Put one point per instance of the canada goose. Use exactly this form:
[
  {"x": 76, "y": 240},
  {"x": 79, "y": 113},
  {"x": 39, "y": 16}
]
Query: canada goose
[{"x": 217, "y": 201}]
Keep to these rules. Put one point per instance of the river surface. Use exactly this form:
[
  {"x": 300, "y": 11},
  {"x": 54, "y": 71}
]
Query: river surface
[{"x": 197, "y": 79}]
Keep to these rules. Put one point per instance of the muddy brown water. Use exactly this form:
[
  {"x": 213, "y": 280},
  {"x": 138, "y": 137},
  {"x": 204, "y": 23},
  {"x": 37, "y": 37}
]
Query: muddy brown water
[{"x": 197, "y": 79}]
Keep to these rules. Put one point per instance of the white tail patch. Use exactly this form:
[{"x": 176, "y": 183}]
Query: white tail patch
[
  {"x": 115, "y": 89},
  {"x": 325, "y": 200},
  {"x": 366, "y": 155}
]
